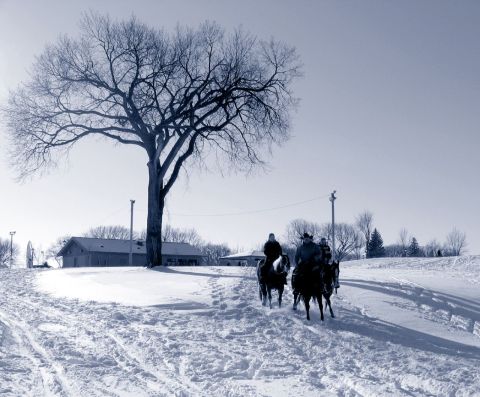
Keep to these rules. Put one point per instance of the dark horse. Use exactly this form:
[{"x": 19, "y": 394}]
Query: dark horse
[
  {"x": 272, "y": 277},
  {"x": 316, "y": 282}
]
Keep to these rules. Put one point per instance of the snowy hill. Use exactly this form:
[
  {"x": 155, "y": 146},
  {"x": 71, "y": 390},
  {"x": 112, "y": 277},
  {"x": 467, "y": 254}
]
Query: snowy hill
[{"x": 404, "y": 327}]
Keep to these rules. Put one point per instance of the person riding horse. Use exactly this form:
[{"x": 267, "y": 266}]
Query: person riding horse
[
  {"x": 325, "y": 257},
  {"x": 305, "y": 258},
  {"x": 272, "y": 250}
]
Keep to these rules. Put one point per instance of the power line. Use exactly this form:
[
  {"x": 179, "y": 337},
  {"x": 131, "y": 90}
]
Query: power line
[{"x": 255, "y": 211}]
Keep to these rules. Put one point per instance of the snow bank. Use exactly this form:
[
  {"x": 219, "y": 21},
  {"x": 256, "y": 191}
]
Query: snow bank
[
  {"x": 182, "y": 287},
  {"x": 403, "y": 327}
]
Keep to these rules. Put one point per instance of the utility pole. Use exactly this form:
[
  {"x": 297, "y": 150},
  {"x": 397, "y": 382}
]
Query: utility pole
[
  {"x": 11, "y": 248},
  {"x": 130, "y": 256},
  {"x": 332, "y": 199}
]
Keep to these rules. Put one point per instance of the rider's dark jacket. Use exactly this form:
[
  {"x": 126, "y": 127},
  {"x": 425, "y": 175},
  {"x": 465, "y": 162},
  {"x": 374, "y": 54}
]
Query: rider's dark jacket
[
  {"x": 272, "y": 250},
  {"x": 325, "y": 254},
  {"x": 306, "y": 255}
]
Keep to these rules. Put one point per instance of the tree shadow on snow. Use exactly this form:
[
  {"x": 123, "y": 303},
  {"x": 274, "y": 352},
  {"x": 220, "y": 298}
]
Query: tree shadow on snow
[
  {"x": 167, "y": 269},
  {"x": 385, "y": 331},
  {"x": 355, "y": 322},
  {"x": 462, "y": 307}
]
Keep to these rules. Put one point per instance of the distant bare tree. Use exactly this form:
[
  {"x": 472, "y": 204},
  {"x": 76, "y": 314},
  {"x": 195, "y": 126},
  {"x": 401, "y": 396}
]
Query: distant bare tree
[
  {"x": 53, "y": 250},
  {"x": 364, "y": 222},
  {"x": 176, "y": 96},
  {"x": 394, "y": 250},
  {"x": 213, "y": 253},
  {"x": 296, "y": 228},
  {"x": 403, "y": 240},
  {"x": 358, "y": 248},
  {"x": 178, "y": 235},
  {"x": 110, "y": 232},
  {"x": 432, "y": 248},
  {"x": 5, "y": 253},
  {"x": 346, "y": 238},
  {"x": 456, "y": 242}
]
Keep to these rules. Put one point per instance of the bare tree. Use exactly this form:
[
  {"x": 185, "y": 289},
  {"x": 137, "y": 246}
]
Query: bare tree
[
  {"x": 173, "y": 95},
  {"x": 297, "y": 227},
  {"x": 213, "y": 253},
  {"x": 110, "y": 232},
  {"x": 359, "y": 244},
  {"x": 364, "y": 222},
  {"x": 6, "y": 256},
  {"x": 432, "y": 248},
  {"x": 346, "y": 238},
  {"x": 53, "y": 250},
  {"x": 456, "y": 242},
  {"x": 403, "y": 240},
  {"x": 178, "y": 235},
  {"x": 394, "y": 250}
]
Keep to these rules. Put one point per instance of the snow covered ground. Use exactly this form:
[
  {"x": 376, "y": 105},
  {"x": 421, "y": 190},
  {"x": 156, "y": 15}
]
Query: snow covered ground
[{"x": 404, "y": 327}]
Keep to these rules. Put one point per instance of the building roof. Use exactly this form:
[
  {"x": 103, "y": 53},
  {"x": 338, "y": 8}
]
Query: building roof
[
  {"x": 245, "y": 255},
  {"x": 118, "y": 246}
]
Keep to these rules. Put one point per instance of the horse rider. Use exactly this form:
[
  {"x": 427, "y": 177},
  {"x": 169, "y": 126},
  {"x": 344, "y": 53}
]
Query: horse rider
[
  {"x": 325, "y": 252},
  {"x": 325, "y": 257},
  {"x": 272, "y": 250},
  {"x": 307, "y": 254}
]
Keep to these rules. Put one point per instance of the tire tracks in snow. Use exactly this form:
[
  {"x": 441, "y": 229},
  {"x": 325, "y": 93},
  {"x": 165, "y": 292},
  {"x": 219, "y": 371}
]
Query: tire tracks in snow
[{"x": 52, "y": 375}]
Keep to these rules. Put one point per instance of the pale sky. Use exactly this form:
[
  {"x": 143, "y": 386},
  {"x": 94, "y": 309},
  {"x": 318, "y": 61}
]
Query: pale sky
[{"x": 389, "y": 117}]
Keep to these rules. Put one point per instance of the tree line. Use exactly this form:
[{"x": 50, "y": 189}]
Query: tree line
[
  {"x": 361, "y": 239},
  {"x": 352, "y": 240}
]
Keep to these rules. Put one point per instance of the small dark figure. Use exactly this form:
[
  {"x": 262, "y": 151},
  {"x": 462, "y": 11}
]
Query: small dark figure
[{"x": 439, "y": 253}]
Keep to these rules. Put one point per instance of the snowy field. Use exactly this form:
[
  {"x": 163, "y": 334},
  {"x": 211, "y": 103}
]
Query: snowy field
[{"x": 403, "y": 327}]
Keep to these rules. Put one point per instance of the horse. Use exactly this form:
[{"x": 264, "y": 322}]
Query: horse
[
  {"x": 272, "y": 277},
  {"x": 315, "y": 282}
]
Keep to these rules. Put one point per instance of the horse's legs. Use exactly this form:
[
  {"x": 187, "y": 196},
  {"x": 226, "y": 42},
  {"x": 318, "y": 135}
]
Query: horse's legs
[
  {"x": 295, "y": 300},
  {"x": 327, "y": 302},
  {"x": 320, "y": 305},
  {"x": 280, "y": 294},
  {"x": 269, "y": 291},
  {"x": 263, "y": 288},
  {"x": 306, "y": 300}
]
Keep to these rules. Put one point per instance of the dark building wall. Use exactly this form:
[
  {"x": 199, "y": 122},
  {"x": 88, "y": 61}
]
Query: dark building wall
[
  {"x": 170, "y": 260},
  {"x": 76, "y": 256},
  {"x": 117, "y": 259}
]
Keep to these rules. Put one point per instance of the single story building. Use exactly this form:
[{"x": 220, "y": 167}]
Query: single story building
[
  {"x": 242, "y": 259},
  {"x": 86, "y": 251}
]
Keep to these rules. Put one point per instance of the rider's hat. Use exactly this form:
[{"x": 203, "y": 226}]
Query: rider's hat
[{"x": 306, "y": 235}]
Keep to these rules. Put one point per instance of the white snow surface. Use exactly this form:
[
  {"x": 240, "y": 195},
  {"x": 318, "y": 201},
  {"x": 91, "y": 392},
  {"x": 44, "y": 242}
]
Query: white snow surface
[{"x": 403, "y": 327}]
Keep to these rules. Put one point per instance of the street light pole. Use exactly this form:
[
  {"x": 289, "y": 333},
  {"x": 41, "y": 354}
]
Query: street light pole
[
  {"x": 11, "y": 248},
  {"x": 130, "y": 256},
  {"x": 332, "y": 199}
]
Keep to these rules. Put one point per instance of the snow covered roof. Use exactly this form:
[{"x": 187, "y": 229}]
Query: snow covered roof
[
  {"x": 123, "y": 246},
  {"x": 245, "y": 255}
]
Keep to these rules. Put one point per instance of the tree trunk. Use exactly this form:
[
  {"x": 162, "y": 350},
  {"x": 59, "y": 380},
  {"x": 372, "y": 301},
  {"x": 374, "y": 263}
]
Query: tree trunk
[{"x": 156, "y": 202}]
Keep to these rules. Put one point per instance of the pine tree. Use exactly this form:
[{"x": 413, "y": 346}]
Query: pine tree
[
  {"x": 375, "y": 245},
  {"x": 414, "y": 248}
]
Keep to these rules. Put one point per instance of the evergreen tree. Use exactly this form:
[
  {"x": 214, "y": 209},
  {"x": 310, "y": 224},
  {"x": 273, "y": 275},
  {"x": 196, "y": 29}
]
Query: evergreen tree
[
  {"x": 414, "y": 248},
  {"x": 375, "y": 245}
]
